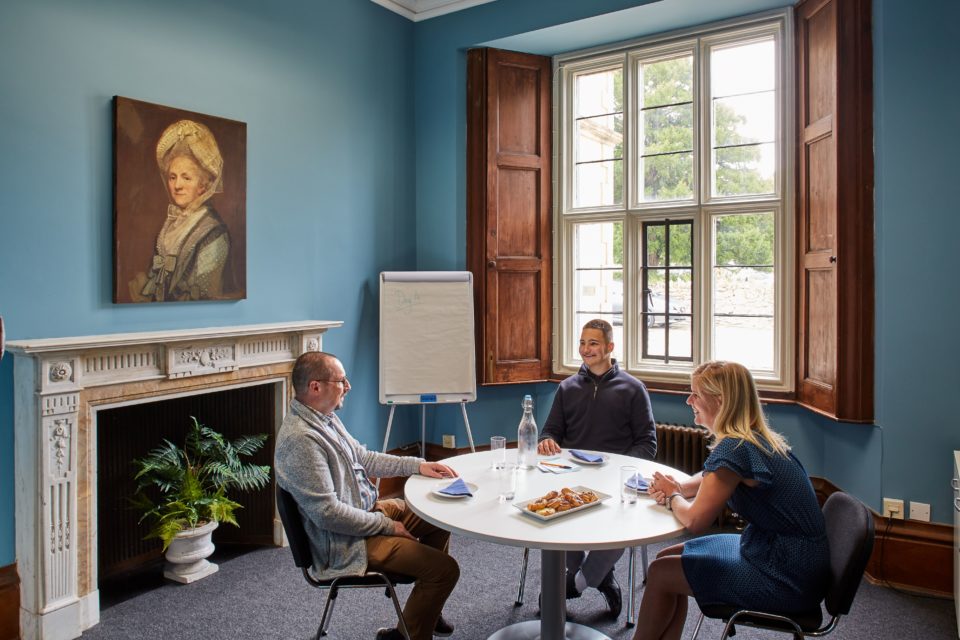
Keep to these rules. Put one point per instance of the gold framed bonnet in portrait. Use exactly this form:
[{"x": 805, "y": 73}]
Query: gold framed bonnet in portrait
[{"x": 180, "y": 205}]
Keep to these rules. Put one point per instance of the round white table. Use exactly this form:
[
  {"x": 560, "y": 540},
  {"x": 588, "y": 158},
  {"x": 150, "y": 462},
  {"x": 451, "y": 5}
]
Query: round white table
[{"x": 610, "y": 525}]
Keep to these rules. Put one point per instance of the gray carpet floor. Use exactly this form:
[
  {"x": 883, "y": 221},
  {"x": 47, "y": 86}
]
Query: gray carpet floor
[{"x": 260, "y": 594}]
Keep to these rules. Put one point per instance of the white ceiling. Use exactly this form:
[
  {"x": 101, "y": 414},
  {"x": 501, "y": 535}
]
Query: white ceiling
[{"x": 417, "y": 10}]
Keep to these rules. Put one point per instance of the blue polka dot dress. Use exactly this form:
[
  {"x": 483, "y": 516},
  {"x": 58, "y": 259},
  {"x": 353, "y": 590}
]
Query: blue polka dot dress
[{"x": 781, "y": 561}]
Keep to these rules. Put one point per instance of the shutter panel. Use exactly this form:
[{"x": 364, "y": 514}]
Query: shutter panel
[
  {"x": 835, "y": 209},
  {"x": 508, "y": 212}
]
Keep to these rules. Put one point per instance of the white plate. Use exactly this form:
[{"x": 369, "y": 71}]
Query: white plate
[
  {"x": 601, "y": 496},
  {"x": 574, "y": 458},
  {"x": 473, "y": 489}
]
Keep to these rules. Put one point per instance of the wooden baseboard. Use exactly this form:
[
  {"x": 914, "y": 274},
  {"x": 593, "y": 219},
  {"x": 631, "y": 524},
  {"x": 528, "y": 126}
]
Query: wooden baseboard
[
  {"x": 9, "y": 603},
  {"x": 907, "y": 554}
]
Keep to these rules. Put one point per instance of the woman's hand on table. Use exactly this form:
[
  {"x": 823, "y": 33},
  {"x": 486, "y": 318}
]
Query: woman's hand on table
[
  {"x": 663, "y": 486},
  {"x": 436, "y": 470}
]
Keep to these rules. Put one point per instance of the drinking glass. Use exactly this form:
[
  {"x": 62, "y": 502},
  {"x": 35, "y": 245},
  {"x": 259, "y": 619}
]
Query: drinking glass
[
  {"x": 507, "y": 481},
  {"x": 628, "y": 495},
  {"x": 498, "y": 451}
]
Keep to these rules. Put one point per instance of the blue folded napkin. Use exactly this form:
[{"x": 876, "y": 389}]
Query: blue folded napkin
[
  {"x": 587, "y": 457},
  {"x": 456, "y": 488},
  {"x": 638, "y": 483}
]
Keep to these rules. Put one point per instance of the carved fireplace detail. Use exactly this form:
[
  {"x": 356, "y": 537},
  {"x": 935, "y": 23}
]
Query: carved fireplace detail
[{"x": 60, "y": 385}]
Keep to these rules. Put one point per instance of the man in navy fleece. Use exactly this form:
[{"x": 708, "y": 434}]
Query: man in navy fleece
[{"x": 601, "y": 408}]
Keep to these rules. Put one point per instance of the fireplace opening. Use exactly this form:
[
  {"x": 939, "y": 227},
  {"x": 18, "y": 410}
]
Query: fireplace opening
[{"x": 124, "y": 557}]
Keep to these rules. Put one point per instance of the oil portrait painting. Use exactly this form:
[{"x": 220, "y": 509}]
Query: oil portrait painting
[{"x": 179, "y": 205}]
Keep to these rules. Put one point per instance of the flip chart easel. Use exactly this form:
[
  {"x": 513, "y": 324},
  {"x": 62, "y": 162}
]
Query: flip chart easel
[{"x": 427, "y": 353}]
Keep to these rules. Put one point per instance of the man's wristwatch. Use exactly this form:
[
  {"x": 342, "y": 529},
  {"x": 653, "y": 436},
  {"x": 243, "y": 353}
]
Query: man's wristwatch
[{"x": 669, "y": 502}]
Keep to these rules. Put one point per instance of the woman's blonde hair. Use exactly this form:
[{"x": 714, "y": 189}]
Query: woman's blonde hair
[{"x": 740, "y": 414}]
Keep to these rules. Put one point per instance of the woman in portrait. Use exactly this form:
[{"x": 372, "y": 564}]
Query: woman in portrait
[
  {"x": 192, "y": 247},
  {"x": 781, "y": 560}
]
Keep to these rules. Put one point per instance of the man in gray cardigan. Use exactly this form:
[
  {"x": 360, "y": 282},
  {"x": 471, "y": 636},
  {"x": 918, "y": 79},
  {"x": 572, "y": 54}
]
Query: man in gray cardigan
[{"x": 351, "y": 530}]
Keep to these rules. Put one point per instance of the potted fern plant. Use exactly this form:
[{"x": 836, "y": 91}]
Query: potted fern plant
[{"x": 192, "y": 481}]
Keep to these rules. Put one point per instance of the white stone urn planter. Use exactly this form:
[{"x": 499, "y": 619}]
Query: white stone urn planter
[{"x": 187, "y": 555}]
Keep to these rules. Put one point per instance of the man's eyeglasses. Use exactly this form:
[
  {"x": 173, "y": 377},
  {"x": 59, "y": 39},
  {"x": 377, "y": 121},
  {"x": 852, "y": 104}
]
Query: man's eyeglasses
[{"x": 342, "y": 381}]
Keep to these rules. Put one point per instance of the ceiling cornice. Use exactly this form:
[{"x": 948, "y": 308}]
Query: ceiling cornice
[{"x": 417, "y": 10}]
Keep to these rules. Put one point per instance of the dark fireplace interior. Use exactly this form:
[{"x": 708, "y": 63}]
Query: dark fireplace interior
[{"x": 126, "y": 433}]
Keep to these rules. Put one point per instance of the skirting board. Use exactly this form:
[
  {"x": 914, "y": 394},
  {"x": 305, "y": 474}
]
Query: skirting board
[
  {"x": 907, "y": 554},
  {"x": 9, "y": 603}
]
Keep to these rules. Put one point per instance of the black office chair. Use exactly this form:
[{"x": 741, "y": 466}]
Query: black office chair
[
  {"x": 300, "y": 547},
  {"x": 850, "y": 532}
]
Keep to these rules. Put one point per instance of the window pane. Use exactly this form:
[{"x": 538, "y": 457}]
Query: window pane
[
  {"x": 597, "y": 184},
  {"x": 655, "y": 239},
  {"x": 598, "y": 93},
  {"x": 667, "y": 292},
  {"x": 749, "y": 342},
  {"x": 666, "y": 82},
  {"x": 598, "y": 278},
  {"x": 744, "y": 290},
  {"x": 746, "y": 170},
  {"x": 742, "y": 119},
  {"x": 667, "y": 177},
  {"x": 666, "y": 130},
  {"x": 745, "y": 239},
  {"x": 744, "y": 68},
  {"x": 655, "y": 342},
  {"x": 681, "y": 244},
  {"x": 599, "y": 138},
  {"x": 681, "y": 341},
  {"x": 680, "y": 296}
]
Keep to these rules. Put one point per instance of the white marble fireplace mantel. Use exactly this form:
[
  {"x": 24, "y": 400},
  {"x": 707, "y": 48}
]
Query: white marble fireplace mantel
[{"x": 59, "y": 385}]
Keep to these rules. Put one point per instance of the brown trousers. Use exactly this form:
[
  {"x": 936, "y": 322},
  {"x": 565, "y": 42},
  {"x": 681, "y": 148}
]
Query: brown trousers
[{"x": 426, "y": 559}]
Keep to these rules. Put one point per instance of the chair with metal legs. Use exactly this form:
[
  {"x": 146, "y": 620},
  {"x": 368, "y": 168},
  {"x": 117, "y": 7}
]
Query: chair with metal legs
[
  {"x": 631, "y": 569},
  {"x": 850, "y": 532},
  {"x": 300, "y": 547}
]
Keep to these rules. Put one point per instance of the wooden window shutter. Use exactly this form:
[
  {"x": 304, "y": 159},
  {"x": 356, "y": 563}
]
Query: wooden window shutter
[
  {"x": 509, "y": 212},
  {"x": 835, "y": 209}
]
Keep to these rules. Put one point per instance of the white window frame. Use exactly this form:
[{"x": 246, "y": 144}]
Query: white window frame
[{"x": 632, "y": 213}]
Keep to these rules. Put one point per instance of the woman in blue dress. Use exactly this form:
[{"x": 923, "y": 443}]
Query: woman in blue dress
[{"x": 781, "y": 561}]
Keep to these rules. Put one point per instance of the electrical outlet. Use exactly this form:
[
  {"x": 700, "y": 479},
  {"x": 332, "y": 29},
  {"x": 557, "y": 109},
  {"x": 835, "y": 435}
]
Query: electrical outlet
[
  {"x": 920, "y": 511},
  {"x": 893, "y": 508},
  {"x": 449, "y": 441}
]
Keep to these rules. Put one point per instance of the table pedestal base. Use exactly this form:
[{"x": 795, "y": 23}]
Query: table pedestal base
[
  {"x": 553, "y": 608},
  {"x": 530, "y": 630}
]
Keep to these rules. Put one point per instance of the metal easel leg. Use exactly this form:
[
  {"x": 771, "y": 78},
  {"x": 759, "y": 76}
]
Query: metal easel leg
[
  {"x": 386, "y": 436},
  {"x": 466, "y": 422}
]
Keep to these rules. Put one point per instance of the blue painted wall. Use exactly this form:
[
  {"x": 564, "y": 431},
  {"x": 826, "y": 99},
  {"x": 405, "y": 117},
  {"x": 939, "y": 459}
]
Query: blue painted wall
[
  {"x": 330, "y": 198},
  {"x": 356, "y": 164},
  {"x": 906, "y": 453}
]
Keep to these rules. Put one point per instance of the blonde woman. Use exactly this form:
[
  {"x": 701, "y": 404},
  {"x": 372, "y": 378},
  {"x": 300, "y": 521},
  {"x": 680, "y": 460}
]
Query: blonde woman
[
  {"x": 781, "y": 561},
  {"x": 192, "y": 247}
]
